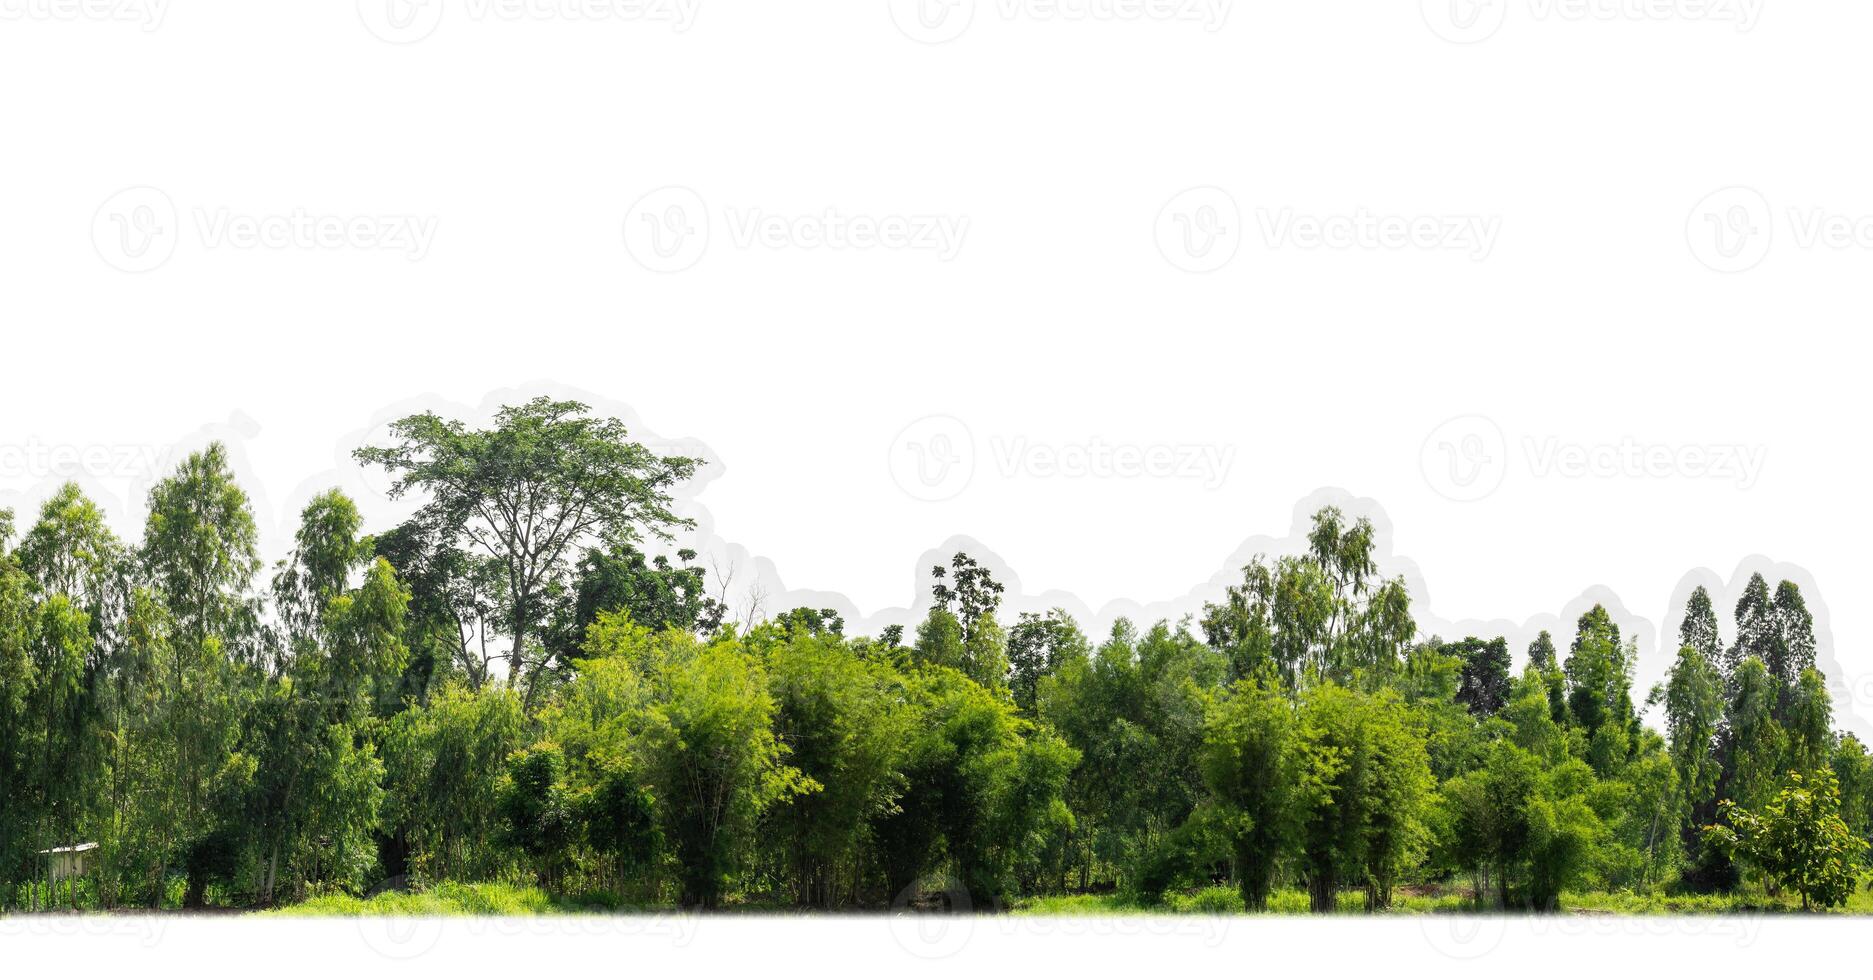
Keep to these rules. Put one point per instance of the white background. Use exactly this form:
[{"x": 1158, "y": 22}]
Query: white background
[{"x": 1680, "y": 234}]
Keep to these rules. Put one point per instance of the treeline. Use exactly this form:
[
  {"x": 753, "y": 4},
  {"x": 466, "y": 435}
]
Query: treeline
[{"x": 510, "y": 686}]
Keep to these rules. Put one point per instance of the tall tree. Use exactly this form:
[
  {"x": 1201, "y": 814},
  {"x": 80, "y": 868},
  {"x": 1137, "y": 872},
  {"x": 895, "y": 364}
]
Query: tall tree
[
  {"x": 1484, "y": 681},
  {"x": 545, "y": 481},
  {"x": 1699, "y": 630},
  {"x": 201, "y": 553},
  {"x": 1253, "y": 764},
  {"x": 1693, "y": 719},
  {"x": 1755, "y": 627}
]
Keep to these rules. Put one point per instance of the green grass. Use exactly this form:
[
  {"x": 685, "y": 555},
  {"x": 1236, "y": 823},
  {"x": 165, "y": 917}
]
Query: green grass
[
  {"x": 1428, "y": 901},
  {"x": 495, "y": 899},
  {"x": 451, "y": 899}
]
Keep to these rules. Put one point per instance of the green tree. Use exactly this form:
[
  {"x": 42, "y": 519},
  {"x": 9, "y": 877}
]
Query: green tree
[
  {"x": 1484, "y": 683},
  {"x": 712, "y": 758},
  {"x": 536, "y": 809},
  {"x": 200, "y": 550},
  {"x": 443, "y": 762},
  {"x": 546, "y": 480},
  {"x": 845, "y": 724},
  {"x": 1253, "y": 763},
  {"x": 653, "y": 591},
  {"x": 1038, "y": 646},
  {"x": 1798, "y": 840},
  {"x": 1693, "y": 718}
]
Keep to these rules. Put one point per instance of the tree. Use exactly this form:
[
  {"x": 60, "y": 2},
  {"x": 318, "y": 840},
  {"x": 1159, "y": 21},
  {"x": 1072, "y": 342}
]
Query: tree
[
  {"x": 1365, "y": 775},
  {"x": 845, "y": 724},
  {"x": 1253, "y": 764},
  {"x": 536, "y": 810},
  {"x": 711, "y": 757},
  {"x": 1810, "y": 722},
  {"x": 1791, "y": 640},
  {"x": 1134, "y": 711},
  {"x": 1699, "y": 630},
  {"x": 1693, "y": 717},
  {"x": 1484, "y": 682},
  {"x": 983, "y": 790},
  {"x": 1541, "y": 652},
  {"x": 443, "y": 762},
  {"x": 200, "y": 551},
  {"x": 1241, "y": 627},
  {"x": 1037, "y": 648},
  {"x": 653, "y": 591},
  {"x": 457, "y": 600},
  {"x": 1755, "y": 627},
  {"x": 546, "y": 480},
  {"x": 975, "y": 593},
  {"x": 1599, "y": 690},
  {"x": 1798, "y": 840}
]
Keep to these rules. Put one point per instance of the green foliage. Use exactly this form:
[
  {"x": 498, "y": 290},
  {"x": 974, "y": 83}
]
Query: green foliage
[
  {"x": 546, "y": 480},
  {"x": 710, "y": 755},
  {"x": 845, "y": 723},
  {"x": 1798, "y": 840},
  {"x": 343, "y": 731},
  {"x": 1253, "y": 763}
]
